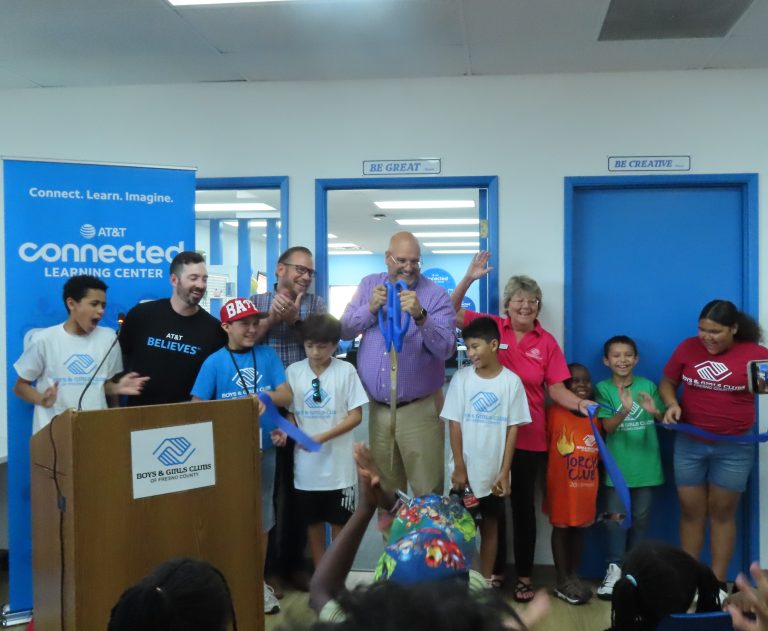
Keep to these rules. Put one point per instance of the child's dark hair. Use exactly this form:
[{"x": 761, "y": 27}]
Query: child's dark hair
[
  {"x": 725, "y": 312},
  {"x": 481, "y": 329},
  {"x": 77, "y": 286},
  {"x": 179, "y": 595},
  {"x": 444, "y": 605},
  {"x": 658, "y": 580},
  {"x": 188, "y": 257},
  {"x": 619, "y": 339},
  {"x": 321, "y": 327},
  {"x": 573, "y": 365}
]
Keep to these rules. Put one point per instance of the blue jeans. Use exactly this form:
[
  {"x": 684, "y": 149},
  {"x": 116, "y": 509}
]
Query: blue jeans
[
  {"x": 726, "y": 465},
  {"x": 620, "y": 540}
]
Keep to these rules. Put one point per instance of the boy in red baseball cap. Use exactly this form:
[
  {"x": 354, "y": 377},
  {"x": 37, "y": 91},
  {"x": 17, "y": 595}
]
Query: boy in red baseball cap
[{"x": 241, "y": 369}]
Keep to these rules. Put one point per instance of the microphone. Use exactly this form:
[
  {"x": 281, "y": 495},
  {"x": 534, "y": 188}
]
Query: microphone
[{"x": 120, "y": 321}]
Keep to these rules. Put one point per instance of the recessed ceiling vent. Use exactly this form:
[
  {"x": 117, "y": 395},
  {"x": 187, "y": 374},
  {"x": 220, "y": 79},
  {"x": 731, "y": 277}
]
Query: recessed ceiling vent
[{"x": 671, "y": 19}]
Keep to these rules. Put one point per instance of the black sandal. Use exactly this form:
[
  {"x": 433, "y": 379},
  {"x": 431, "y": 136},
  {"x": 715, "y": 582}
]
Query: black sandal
[{"x": 523, "y": 593}]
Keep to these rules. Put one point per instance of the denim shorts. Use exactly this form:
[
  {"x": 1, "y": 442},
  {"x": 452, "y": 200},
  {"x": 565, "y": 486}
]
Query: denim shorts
[
  {"x": 726, "y": 465},
  {"x": 268, "y": 459}
]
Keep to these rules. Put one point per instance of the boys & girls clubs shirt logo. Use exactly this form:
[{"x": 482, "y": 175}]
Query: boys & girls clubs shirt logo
[
  {"x": 483, "y": 405},
  {"x": 309, "y": 398},
  {"x": 104, "y": 251},
  {"x": 711, "y": 375},
  {"x": 79, "y": 364}
]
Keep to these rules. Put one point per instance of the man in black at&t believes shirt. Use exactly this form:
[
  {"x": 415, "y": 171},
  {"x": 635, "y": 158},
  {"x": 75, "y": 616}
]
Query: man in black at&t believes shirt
[{"x": 169, "y": 339}]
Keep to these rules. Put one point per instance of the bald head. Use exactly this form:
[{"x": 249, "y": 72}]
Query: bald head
[
  {"x": 403, "y": 258},
  {"x": 403, "y": 239}
]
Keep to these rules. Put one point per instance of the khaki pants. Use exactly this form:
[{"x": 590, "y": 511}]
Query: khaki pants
[{"x": 419, "y": 445}]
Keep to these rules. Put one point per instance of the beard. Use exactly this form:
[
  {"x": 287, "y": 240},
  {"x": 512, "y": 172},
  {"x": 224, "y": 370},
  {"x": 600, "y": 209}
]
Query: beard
[{"x": 190, "y": 297}]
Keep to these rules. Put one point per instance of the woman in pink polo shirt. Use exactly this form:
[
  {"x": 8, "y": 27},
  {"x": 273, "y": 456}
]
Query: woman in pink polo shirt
[{"x": 535, "y": 356}]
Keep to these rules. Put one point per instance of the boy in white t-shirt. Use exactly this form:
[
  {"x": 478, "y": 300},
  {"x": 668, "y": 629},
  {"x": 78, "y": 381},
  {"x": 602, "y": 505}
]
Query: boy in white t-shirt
[
  {"x": 327, "y": 405},
  {"x": 485, "y": 403},
  {"x": 59, "y": 361}
]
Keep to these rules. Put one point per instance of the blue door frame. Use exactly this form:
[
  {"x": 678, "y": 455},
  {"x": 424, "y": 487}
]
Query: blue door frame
[
  {"x": 489, "y": 211},
  {"x": 244, "y": 251},
  {"x": 748, "y": 183}
]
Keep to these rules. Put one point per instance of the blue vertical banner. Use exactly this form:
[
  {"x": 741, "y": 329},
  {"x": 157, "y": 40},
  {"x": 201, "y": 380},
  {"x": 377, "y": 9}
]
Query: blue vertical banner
[{"x": 121, "y": 223}]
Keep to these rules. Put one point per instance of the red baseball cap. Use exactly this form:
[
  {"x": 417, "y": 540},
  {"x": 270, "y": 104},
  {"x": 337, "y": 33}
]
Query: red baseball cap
[{"x": 239, "y": 308}]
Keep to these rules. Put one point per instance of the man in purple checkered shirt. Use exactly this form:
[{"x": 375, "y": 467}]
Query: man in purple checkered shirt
[
  {"x": 287, "y": 305},
  {"x": 429, "y": 341}
]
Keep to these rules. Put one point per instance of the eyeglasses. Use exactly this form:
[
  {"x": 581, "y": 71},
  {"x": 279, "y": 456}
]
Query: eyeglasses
[
  {"x": 317, "y": 396},
  {"x": 533, "y": 302},
  {"x": 403, "y": 262},
  {"x": 301, "y": 270}
]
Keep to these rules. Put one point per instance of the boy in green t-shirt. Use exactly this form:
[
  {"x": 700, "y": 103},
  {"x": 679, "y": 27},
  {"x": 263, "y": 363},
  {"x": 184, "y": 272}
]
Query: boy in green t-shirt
[{"x": 632, "y": 441}]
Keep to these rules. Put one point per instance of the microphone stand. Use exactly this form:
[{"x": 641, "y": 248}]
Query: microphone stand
[{"x": 120, "y": 320}]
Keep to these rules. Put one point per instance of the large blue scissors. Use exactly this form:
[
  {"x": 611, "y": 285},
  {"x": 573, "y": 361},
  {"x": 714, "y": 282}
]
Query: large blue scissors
[{"x": 393, "y": 323}]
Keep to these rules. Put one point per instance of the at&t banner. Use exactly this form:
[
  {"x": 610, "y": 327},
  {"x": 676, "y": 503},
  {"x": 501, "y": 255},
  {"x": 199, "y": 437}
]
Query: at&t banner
[{"x": 121, "y": 223}]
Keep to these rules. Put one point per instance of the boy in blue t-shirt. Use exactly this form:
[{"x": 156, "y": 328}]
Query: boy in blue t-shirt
[{"x": 242, "y": 369}]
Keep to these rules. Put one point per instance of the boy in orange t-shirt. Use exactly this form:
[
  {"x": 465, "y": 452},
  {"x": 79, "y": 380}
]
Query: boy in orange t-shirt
[{"x": 572, "y": 482}]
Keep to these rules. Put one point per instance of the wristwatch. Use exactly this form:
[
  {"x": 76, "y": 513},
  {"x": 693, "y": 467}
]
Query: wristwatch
[{"x": 421, "y": 317}]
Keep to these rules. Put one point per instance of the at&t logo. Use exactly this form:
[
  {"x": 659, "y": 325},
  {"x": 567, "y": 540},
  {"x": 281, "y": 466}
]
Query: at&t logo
[{"x": 88, "y": 231}]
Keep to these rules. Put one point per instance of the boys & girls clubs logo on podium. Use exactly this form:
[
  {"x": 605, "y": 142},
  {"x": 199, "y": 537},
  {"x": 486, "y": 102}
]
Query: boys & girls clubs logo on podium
[{"x": 172, "y": 459}]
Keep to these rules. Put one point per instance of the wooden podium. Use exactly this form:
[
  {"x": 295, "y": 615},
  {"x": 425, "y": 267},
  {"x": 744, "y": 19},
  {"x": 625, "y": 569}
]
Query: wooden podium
[{"x": 110, "y": 540}]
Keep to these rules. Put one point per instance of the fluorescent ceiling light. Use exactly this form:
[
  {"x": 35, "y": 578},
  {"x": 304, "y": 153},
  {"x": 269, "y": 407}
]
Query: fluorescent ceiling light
[
  {"x": 445, "y": 235},
  {"x": 339, "y": 252},
  {"x": 451, "y": 244},
  {"x": 464, "y": 221},
  {"x": 251, "y": 224},
  {"x": 190, "y": 3},
  {"x": 455, "y": 251},
  {"x": 426, "y": 203},
  {"x": 332, "y": 236},
  {"x": 348, "y": 246},
  {"x": 232, "y": 207}
]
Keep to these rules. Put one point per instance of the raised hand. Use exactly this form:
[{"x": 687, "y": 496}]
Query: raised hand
[
  {"x": 478, "y": 266},
  {"x": 625, "y": 396},
  {"x": 284, "y": 308},
  {"x": 131, "y": 383},
  {"x": 647, "y": 403},
  {"x": 753, "y": 600}
]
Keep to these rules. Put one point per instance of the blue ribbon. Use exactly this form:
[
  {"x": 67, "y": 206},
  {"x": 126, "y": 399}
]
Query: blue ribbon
[
  {"x": 613, "y": 470},
  {"x": 686, "y": 428},
  {"x": 271, "y": 419},
  {"x": 395, "y": 323}
]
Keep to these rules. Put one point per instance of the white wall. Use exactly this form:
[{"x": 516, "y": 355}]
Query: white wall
[{"x": 531, "y": 131}]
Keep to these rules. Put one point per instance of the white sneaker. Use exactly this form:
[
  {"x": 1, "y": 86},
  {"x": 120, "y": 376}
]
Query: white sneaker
[
  {"x": 270, "y": 600},
  {"x": 605, "y": 591}
]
